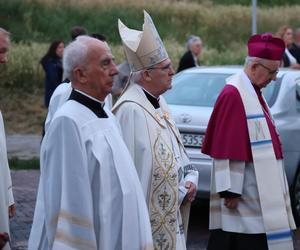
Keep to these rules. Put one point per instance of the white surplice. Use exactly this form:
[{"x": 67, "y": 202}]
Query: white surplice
[
  {"x": 89, "y": 193},
  {"x": 161, "y": 161},
  {"x": 6, "y": 195},
  {"x": 60, "y": 96},
  {"x": 253, "y": 185}
]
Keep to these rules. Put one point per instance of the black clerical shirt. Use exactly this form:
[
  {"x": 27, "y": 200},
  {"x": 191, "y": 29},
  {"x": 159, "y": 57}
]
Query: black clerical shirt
[
  {"x": 93, "y": 105},
  {"x": 153, "y": 100}
]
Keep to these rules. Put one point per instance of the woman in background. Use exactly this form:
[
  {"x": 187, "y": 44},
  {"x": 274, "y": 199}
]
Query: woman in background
[
  {"x": 191, "y": 57},
  {"x": 52, "y": 65},
  {"x": 286, "y": 34}
]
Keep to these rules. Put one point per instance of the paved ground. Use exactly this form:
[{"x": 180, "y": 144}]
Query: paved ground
[
  {"x": 23, "y": 146},
  {"x": 25, "y": 189}
]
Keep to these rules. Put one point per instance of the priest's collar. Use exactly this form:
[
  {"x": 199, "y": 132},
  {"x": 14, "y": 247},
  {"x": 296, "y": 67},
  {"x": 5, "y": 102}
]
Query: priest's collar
[
  {"x": 90, "y": 102},
  {"x": 152, "y": 99}
]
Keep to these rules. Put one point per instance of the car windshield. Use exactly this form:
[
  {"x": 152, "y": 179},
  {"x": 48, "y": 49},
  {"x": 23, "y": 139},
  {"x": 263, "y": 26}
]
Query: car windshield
[{"x": 202, "y": 89}]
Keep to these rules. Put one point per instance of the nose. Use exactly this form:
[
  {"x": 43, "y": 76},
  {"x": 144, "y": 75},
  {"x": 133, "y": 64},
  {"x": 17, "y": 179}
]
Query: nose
[
  {"x": 114, "y": 70},
  {"x": 172, "y": 71}
]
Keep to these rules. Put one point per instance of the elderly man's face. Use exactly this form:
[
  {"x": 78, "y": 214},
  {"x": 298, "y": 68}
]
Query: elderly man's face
[
  {"x": 264, "y": 72},
  {"x": 4, "y": 47},
  {"x": 161, "y": 77},
  {"x": 100, "y": 71}
]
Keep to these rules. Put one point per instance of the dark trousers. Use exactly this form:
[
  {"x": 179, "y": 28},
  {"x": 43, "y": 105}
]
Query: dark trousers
[{"x": 221, "y": 240}]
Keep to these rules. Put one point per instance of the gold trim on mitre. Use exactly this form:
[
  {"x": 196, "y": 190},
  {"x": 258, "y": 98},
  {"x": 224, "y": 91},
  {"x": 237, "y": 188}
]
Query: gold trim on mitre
[{"x": 143, "y": 49}]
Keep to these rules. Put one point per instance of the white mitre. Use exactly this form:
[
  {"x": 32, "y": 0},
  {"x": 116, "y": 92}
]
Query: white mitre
[{"x": 143, "y": 49}]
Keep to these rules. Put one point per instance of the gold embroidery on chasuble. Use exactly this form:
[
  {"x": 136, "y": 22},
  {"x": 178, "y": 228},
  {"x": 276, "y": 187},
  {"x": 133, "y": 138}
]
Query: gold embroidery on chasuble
[{"x": 163, "y": 196}]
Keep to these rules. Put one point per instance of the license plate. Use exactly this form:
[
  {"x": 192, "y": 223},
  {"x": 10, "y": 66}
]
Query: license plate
[{"x": 192, "y": 140}]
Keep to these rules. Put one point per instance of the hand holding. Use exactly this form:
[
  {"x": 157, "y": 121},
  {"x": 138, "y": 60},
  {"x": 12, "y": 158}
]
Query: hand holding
[{"x": 231, "y": 203}]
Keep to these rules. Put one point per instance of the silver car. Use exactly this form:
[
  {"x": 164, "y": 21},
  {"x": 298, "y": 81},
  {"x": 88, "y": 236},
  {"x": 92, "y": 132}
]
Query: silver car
[{"x": 193, "y": 96}]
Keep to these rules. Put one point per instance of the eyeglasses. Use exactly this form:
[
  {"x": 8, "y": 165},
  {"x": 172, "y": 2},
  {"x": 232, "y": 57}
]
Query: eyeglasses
[
  {"x": 270, "y": 71},
  {"x": 163, "y": 68}
]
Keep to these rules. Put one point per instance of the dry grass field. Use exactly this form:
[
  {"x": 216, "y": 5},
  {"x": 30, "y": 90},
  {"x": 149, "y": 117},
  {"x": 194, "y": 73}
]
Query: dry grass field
[
  {"x": 224, "y": 30},
  {"x": 22, "y": 112}
]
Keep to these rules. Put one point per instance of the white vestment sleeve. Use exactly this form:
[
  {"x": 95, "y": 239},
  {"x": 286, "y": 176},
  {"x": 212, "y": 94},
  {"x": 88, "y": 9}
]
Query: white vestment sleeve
[
  {"x": 66, "y": 187},
  {"x": 229, "y": 175},
  {"x": 137, "y": 139},
  {"x": 10, "y": 196},
  {"x": 58, "y": 98},
  {"x": 5, "y": 171},
  {"x": 190, "y": 172},
  {"x": 127, "y": 118}
]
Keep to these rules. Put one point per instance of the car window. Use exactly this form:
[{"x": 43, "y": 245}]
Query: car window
[
  {"x": 270, "y": 92},
  {"x": 194, "y": 89}
]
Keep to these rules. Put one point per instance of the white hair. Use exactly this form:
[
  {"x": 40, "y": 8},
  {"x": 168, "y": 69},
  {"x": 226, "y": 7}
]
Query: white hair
[
  {"x": 75, "y": 54},
  {"x": 191, "y": 40},
  {"x": 251, "y": 59},
  {"x": 136, "y": 76}
]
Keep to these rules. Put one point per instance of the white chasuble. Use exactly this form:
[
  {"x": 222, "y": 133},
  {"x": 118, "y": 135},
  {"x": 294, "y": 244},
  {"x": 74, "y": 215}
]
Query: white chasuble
[
  {"x": 161, "y": 162},
  {"x": 6, "y": 195},
  {"x": 275, "y": 205},
  {"x": 89, "y": 193}
]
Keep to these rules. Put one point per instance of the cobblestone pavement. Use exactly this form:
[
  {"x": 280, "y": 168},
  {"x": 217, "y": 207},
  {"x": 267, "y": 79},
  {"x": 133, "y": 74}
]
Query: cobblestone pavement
[{"x": 25, "y": 184}]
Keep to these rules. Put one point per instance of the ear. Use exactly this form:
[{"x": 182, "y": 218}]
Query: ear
[
  {"x": 80, "y": 75},
  {"x": 146, "y": 75},
  {"x": 253, "y": 67}
]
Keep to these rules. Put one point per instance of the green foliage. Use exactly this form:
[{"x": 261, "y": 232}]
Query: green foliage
[
  {"x": 223, "y": 29},
  {"x": 218, "y": 25},
  {"x": 23, "y": 70},
  {"x": 18, "y": 164},
  {"x": 249, "y": 2}
]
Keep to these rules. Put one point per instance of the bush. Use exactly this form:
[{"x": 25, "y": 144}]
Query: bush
[
  {"x": 223, "y": 29},
  {"x": 24, "y": 72},
  {"x": 218, "y": 25},
  {"x": 249, "y": 2}
]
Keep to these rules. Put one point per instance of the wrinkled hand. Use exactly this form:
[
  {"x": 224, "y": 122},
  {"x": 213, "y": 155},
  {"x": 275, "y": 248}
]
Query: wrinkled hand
[
  {"x": 191, "y": 193},
  {"x": 231, "y": 203},
  {"x": 12, "y": 210}
]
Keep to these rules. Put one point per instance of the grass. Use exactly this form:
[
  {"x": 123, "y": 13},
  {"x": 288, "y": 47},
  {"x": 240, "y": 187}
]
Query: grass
[
  {"x": 35, "y": 23},
  {"x": 218, "y": 25},
  {"x": 22, "y": 112},
  {"x": 17, "y": 164}
]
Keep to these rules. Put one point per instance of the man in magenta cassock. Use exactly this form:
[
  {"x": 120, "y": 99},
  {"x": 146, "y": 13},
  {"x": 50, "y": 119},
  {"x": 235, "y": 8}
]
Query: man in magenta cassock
[{"x": 249, "y": 203}]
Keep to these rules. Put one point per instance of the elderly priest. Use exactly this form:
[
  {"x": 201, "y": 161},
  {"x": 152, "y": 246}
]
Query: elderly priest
[
  {"x": 168, "y": 180},
  {"x": 89, "y": 195},
  {"x": 249, "y": 204}
]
